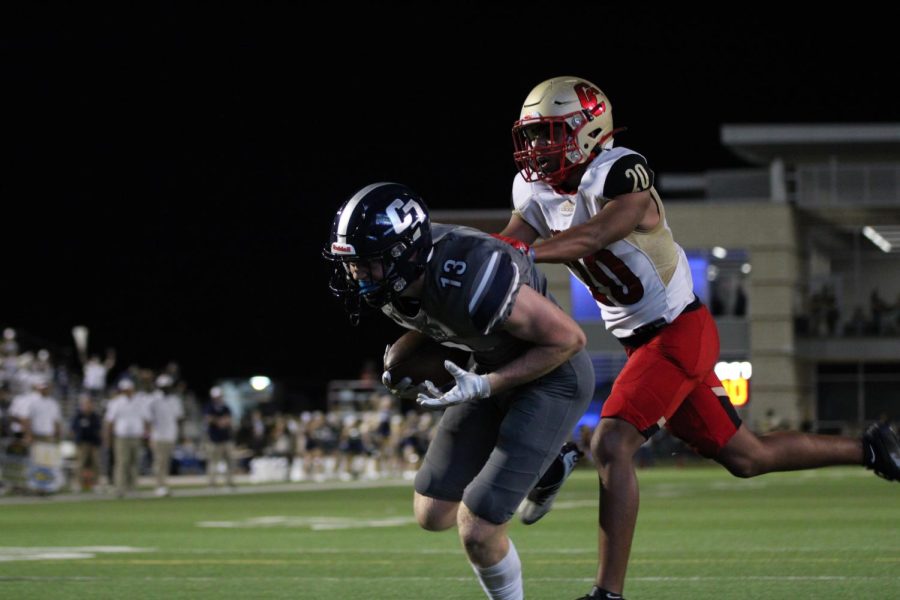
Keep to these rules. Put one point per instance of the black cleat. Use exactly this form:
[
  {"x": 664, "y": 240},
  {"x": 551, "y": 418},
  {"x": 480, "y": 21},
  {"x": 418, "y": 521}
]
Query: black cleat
[
  {"x": 601, "y": 594},
  {"x": 541, "y": 497},
  {"x": 882, "y": 451}
]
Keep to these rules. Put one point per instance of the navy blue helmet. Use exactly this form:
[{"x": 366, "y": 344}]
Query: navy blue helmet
[{"x": 384, "y": 223}]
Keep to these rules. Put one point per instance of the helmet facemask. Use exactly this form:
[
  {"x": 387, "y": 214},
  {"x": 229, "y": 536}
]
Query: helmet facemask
[
  {"x": 546, "y": 148},
  {"x": 388, "y": 275}
]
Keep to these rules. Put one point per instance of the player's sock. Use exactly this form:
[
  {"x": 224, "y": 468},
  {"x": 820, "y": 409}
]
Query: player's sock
[{"x": 502, "y": 581}]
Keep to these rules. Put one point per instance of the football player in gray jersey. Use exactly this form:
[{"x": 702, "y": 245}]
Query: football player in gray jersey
[{"x": 505, "y": 419}]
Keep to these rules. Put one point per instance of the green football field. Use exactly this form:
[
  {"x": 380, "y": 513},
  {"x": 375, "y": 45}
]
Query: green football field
[{"x": 833, "y": 533}]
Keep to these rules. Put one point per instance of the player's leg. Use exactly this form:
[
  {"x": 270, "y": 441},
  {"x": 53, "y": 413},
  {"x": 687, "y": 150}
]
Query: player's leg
[
  {"x": 541, "y": 497},
  {"x": 632, "y": 413},
  {"x": 493, "y": 556},
  {"x": 463, "y": 441},
  {"x": 708, "y": 422},
  {"x": 651, "y": 387},
  {"x": 749, "y": 455},
  {"x": 613, "y": 446},
  {"x": 538, "y": 418},
  {"x": 433, "y": 514}
]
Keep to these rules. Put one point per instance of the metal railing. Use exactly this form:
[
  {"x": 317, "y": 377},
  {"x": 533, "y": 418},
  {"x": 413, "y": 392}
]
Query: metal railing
[{"x": 848, "y": 185}]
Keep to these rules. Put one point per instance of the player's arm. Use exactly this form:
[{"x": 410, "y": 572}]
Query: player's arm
[
  {"x": 618, "y": 218},
  {"x": 519, "y": 229},
  {"x": 629, "y": 186},
  {"x": 533, "y": 318},
  {"x": 554, "y": 335}
]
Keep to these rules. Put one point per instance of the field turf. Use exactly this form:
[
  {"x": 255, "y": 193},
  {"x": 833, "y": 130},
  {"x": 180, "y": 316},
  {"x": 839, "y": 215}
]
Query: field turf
[{"x": 832, "y": 533}]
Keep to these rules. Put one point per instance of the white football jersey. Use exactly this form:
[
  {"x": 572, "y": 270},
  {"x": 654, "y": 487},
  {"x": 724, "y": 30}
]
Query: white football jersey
[{"x": 636, "y": 280}]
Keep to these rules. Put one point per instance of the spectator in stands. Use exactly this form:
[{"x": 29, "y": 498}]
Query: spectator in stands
[
  {"x": 42, "y": 420},
  {"x": 832, "y": 313},
  {"x": 86, "y": 431},
  {"x": 96, "y": 372},
  {"x": 256, "y": 436},
  {"x": 42, "y": 432},
  {"x": 127, "y": 423},
  {"x": 165, "y": 410},
  {"x": 857, "y": 325},
  {"x": 878, "y": 307},
  {"x": 221, "y": 446}
]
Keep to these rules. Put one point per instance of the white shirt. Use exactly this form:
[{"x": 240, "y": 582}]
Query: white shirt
[
  {"x": 636, "y": 280},
  {"x": 127, "y": 416},
  {"x": 95, "y": 376},
  {"x": 19, "y": 408},
  {"x": 165, "y": 410},
  {"x": 43, "y": 411}
]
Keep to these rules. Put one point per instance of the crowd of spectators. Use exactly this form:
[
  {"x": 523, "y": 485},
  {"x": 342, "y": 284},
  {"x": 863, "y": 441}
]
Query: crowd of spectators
[
  {"x": 110, "y": 426},
  {"x": 822, "y": 314}
]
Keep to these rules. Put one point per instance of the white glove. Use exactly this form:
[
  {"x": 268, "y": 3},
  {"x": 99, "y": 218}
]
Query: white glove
[{"x": 469, "y": 386}]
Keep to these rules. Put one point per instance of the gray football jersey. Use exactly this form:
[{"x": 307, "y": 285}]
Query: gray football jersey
[{"x": 471, "y": 284}]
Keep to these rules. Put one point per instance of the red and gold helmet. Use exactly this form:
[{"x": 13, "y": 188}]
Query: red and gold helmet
[{"x": 563, "y": 121}]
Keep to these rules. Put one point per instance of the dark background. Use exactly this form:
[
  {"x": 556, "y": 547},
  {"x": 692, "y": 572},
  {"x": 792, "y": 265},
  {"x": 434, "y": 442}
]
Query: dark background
[{"x": 169, "y": 177}]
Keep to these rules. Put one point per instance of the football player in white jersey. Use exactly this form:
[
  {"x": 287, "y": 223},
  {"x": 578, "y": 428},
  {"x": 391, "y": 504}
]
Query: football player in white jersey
[{"x": 596, "y": 210}]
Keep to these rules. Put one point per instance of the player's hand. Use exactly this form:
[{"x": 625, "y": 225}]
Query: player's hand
[
  {"x": 517, "y": 244},
  {"x": 404, "y": 388},
  {"x": 469, "y": 386}
]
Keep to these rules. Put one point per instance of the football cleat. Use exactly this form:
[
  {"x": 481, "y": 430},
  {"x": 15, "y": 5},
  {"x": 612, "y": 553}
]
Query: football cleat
[
  {"x": 540, "y": 498},
  {"x": 882, "y": 451},
  {"x": 601, "y": 594}
]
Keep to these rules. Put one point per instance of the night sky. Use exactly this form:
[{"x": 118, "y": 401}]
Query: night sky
[{"x": 169, "y": 178}]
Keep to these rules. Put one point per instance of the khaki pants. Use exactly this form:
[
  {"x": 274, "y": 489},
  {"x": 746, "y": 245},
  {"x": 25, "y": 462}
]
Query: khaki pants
[
  {"x": 162, "y": 457},
  {"x": 128, "y": 460},
  {"x": 216, "y": 452},
  {"x": 88, "y": 465}
]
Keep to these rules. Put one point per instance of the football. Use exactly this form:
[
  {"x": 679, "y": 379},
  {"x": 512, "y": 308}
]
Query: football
[{"x": 417, "y": 356}]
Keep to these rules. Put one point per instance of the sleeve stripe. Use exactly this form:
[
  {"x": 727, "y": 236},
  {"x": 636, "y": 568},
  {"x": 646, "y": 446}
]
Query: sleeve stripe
[
  {"x": 485, "y": 280},
  {"x": 509, "y": 294}
]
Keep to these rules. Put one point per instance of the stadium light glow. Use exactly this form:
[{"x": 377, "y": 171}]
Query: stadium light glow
[
  {"x": 880, "y": 240},
  {"x": 719, "y": 252},
  {"x": 260, "y": 382}
]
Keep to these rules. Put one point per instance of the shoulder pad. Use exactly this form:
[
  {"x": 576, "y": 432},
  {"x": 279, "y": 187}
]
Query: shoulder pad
[{"x": 627, "y": 175}]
